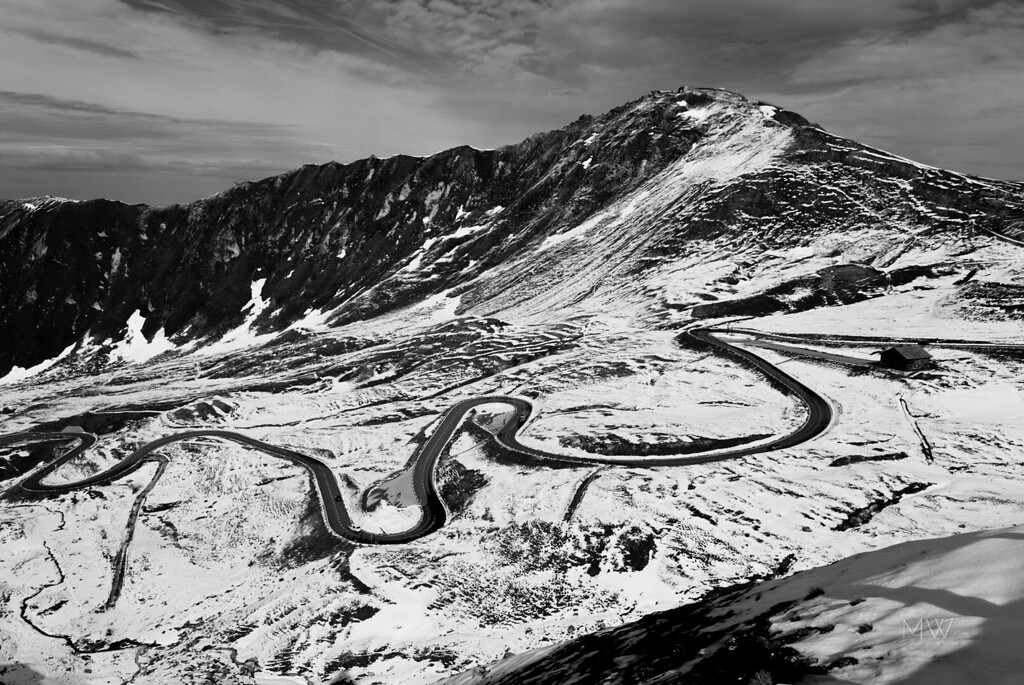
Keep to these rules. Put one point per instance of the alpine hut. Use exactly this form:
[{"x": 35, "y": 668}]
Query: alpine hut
[{"x": 906, "y": 358}]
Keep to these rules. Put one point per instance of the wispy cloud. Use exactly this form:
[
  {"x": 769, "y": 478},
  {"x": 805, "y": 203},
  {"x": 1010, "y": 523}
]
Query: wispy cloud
[
  {"x": 948, "y": 92},
  {"x": 38, "y": 128},
  {"x": 43, "y": 136},
  {"x": 76, "y": 43},
  {"x": 177, "y": 87},
  {"x": 323, "y": 26}
]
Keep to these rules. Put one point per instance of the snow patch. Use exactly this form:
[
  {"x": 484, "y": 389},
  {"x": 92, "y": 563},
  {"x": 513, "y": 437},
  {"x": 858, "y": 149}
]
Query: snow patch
[
  {"x": 794, "y": 253},
  {"x": 998, "y": 402},
  {"x": 244, "y": 336},
  {"x": 728, "y": 152},
  {"x": 952, "y": 600},
  {"x": 443, "y": 306},
  {"x": 468, "y": 230},
  {"x": 586, "y": 162},
  {"x": 801, "y": 252},
  {"x": 135, "y": 349},
  {"x": 573, "y": 234},
  {"x": 385, "y": 209},
  {"x": 629, "y": 209},
  {"x": 256, "y": 302},
  {"x": 434, "y": 195},
  {"x": 402, "y": 618},
  {"x": 418, "y": 256},
  {"x": 697, "y": 116},
  {"x": 313, "y": 319},
  {"x": 18, "y": 373},
  {"x": 388, "y": 518},
  {"x": 914, "y": 314},
  {"x": 265, "y": 678}
]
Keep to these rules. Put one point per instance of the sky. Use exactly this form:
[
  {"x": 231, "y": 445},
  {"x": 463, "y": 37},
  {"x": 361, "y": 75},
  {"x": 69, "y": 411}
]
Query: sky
[{"x": 164, "y": 101}]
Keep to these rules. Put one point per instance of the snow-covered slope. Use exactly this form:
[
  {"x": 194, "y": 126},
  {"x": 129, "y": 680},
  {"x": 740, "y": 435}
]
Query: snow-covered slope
[
  {"x": 945, "y": 610},
  {"x": 338, "y": 310}
]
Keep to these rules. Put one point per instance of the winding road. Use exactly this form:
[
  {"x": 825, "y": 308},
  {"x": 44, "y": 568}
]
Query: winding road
[{"x": 337, "y": 518}]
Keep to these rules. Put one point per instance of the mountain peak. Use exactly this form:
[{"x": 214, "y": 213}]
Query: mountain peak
[{"x": 615, "y": 195}]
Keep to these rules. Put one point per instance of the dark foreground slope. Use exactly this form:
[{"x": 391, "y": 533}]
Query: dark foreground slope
[
  {"x": 363, "y": 238},
  {"x": 929, "y": 611}
]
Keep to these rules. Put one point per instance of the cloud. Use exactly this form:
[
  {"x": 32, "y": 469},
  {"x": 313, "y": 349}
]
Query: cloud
[
  {"x": 46, "y": 137},
  {"x": 237, "y": 88},
  {"x": 53, "y": 116},
  {"x": 939, "y": 80},
  {"x": 984, "y": 40},
  {"x": 175, "y": 87},
  {"x": 337, "y": 27},
  {"x": 949, "y": 94},
  {"x": 76, "y": 43}
]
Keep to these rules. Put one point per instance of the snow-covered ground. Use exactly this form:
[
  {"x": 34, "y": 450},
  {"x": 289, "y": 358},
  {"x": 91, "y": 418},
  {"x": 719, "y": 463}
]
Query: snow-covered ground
[
  {"x": 508, "y": 572},
  {"x": 943, "y": 610},
  {"x": 231, "y": 572}
]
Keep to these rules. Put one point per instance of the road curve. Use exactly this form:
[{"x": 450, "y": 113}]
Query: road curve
[
  {"x": 335, "y": 515},
  {"x": 819, "y": 415}
]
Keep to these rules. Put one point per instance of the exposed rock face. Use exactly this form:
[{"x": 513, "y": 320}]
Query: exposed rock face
[
  {"x": 358, "y": 239},
  {"x": 319, "y": 235}
]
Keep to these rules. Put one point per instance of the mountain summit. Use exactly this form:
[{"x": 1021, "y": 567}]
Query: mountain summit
[{"x": 600, "y": 207}]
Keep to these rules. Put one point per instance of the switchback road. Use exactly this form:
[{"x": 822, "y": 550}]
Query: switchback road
[{"x": 819, "y": 415}]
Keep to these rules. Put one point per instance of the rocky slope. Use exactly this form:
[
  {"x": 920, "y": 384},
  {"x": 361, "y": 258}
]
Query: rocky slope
[
  {"x": 364, "y": 238},
  {"x": 320, "y": 236}
]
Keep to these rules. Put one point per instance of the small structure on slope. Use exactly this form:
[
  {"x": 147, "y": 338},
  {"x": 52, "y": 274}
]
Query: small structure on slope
[{"x": 906, "y": 358}]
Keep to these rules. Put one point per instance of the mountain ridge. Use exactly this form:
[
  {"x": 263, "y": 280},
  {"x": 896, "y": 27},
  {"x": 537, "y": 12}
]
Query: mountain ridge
[{"x": 348, "y": 240}]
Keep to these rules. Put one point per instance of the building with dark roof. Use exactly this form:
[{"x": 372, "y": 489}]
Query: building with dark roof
[{"x": 906, "y": 358}]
